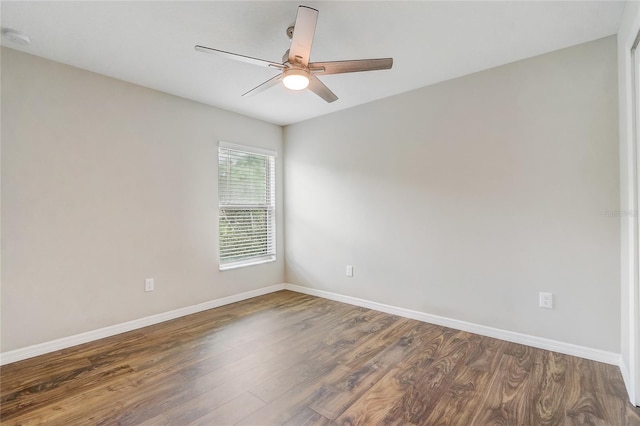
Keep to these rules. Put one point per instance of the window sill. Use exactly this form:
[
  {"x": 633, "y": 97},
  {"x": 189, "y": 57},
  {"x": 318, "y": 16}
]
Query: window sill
[{"x": 243, "y": 263}]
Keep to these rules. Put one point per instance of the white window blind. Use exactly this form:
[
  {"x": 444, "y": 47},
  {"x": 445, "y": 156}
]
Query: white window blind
[{"x": 246, "y": 188}]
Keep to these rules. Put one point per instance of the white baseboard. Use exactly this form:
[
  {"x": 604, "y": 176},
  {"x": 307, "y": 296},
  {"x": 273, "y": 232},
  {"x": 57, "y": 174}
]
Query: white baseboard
[
  {"x": 628, "y": 383},
  {"x": 626, "y": 378},
  {"x": 510, "y": 336},
  {"x": 89, "y": 336}
]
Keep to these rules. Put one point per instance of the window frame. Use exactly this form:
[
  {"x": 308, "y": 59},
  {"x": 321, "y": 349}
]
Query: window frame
[{"x": 269, "y": 207}]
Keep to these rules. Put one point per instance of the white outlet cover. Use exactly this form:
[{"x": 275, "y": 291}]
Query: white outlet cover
[
  {"x": 546, "y": 300},
  {"x": 149, "y": 284}
]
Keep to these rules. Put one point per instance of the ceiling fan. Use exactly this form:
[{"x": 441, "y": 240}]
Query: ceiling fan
[{"x": 297, "y": 72}]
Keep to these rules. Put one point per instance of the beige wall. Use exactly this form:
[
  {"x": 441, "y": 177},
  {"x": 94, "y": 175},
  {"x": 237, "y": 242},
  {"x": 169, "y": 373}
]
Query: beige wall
[
  {"x": 466, "y": 198},
  {"x": 104, "y": 184}
]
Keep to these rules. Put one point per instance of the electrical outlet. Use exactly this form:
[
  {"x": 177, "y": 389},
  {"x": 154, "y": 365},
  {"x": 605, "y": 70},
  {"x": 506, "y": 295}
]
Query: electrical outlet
[
  {"x": 349, "y": 271},
  {"x": 546, "y": 300},
  {"x": 149, "y": 284}
]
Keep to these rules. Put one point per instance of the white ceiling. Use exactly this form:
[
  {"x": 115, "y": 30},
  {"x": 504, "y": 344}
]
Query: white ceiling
[{"x": 151, "y": 43}]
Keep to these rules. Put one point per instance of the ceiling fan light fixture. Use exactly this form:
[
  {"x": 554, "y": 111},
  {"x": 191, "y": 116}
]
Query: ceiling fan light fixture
[{"x": 296, "y": 79}]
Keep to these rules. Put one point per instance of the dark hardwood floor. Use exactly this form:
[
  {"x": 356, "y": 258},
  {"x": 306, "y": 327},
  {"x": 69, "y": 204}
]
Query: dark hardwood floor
[{"x": 287, "y": 358}]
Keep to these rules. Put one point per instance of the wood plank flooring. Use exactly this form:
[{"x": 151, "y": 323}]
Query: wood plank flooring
[{"x": 291, "y": 359}]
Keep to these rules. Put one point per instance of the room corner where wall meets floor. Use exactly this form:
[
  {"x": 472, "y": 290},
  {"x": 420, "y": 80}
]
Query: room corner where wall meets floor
[{"x": 534, "y": 341}]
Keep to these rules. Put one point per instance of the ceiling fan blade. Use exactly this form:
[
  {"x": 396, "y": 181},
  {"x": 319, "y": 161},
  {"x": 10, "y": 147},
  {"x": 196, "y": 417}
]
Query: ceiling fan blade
[
  {"x": 302, "y": 39},
  {"x": 318, "y": 87},
  {"x": 338, "y": 67},
  {"x": 264, "y": 86},
  {"x": 241, "y": 58}
]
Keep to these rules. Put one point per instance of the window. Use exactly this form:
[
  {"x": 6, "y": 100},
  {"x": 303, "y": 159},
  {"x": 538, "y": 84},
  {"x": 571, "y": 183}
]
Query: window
[{"x": 246, "y": 192}]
